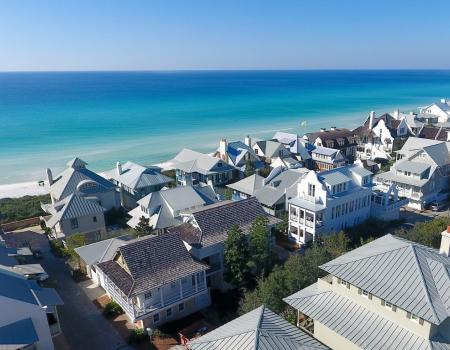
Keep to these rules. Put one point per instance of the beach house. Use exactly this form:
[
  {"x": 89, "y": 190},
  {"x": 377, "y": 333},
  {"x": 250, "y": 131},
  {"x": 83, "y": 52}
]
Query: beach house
[
  {"x": 238, "y": 154},
  {"x": 256, "y": 330},
  {"x": 324, "y": 158},
  {"x": 299, "y": 148},
  {"x": 164, "y": 208},
  {"x": 270, "y": 191},
  {"x": 79, "y": 198},
  {"x": 205, "y": 230},
  {"x": 388, "y": 294},
  {"x": 378, "y": 137},
  {"x": 135, "y": 181},
  {"x": 337, "y": 138},
  {"x": 29, "y": 317},
  {"x": 421, "y": 172},
  {"x": 441, "y": 109},
  {"x": 194, "y": 168},
  {"x": 270, "y": 150},
  {"x": 155, "y": 280}
]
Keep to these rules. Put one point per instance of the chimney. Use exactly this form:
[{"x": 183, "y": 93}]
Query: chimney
[
  {"x": 371, "y": 118},
  {"x": 223, "y": 150},
  {"x": 49, "y": 176},
  {"x": 445, "y": 242},
  {"x": 323, "y": 129},
  {"x": 119, "y": 168},
  {"x": 333, "y": 128},
  {"x": 396, "y": 114},
  {"x": 248, "y": 141}
]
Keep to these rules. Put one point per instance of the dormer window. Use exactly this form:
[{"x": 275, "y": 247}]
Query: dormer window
[
  {"x": 414, "y": 318},
  {"x": 311, "y": 190}
]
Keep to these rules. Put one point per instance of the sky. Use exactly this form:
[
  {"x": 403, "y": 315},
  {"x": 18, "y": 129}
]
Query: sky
[{"x": 55, "y": 35}]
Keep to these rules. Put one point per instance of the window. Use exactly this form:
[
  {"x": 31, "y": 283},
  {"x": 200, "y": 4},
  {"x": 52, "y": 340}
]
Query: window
[
  {"x": 414, "y": 318},
  {"x": 365, "y": 293},
  {"x": 155, "y": 318},
  {"x": 169, "y": 312},
  {"x": 148, "y": 295},
  {"x": 94, "y": 219},
  {"x": 74, "y": 223},
  {"x": 388, "y": 305},
  {"x": 311, "y": 190},
  {"x": 181, "y": 307},
  {"x": 343, "y": 283}
]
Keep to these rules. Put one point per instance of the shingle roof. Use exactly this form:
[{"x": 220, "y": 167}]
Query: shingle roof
[
  {"x": 260, "y": 329},
  {"x": 356, "y": 323},
  {"x": 333, "y": 136},
  {"x": 214, "y": 221},
  {"x": 136, "y": 176},
  {"x": 17, "y": 335},
  {"x": 406, "y": 274},
  {"x": 152, "y": 261}
]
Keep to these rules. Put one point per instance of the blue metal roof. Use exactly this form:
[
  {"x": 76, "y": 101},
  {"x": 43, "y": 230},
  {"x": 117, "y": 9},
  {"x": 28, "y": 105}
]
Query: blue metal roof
[{"x": 18, "y": 334}]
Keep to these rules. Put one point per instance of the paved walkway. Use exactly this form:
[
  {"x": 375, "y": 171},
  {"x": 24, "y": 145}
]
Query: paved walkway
[{"x": 83, "y": 326}]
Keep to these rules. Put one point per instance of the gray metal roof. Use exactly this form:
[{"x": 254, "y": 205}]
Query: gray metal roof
[
  {"x": 403, "y": 179},
  {"x": 413, "y": 167},
  {"x": 306, "y": 204},
  {"x": 101, "y": 251},
  {"x": 74, "y": 206},
  {"x": 356, "y": 323},
  {"x": 260, "y": 329},
  {"x": 136, "y": 176},
  {"x": 406, "y": 274},
  {"x": 192, "y": 161},
  {"x": 325, "y": 151},
  {"x": 248, "y": 185},
  {"x": 17, "y": 335},
  {"x": 151, "y": 262},
  {"x": 334, "y": 177}
]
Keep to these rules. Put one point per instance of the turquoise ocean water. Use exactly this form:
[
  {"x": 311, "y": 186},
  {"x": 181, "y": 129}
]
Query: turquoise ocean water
[{"x": 103, "y": 117}]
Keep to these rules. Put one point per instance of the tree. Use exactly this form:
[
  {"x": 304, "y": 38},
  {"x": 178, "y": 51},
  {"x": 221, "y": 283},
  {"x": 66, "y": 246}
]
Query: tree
[
  {"x": 249, "y": 168},
  {"x": 284, "y": 224},
  {"x": 143, "y": 227},
  {"x": 75, "y": 241},
  {"x": 427, "y": 233},
  {"x": 228, "y": 193},
  {"x": 260, "y": 249},
  {"x": 236, "y": 256}
]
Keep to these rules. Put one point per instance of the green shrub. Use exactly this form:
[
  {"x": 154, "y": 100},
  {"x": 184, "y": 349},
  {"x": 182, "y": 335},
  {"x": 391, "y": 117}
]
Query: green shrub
[
  {"x": 58, "y": 249},
  {"x": 112, "y": 309},
  {"x": 15, "y": 209},
  {"x": 159, "y": 334},
  {"x": 138, "y": 336}
]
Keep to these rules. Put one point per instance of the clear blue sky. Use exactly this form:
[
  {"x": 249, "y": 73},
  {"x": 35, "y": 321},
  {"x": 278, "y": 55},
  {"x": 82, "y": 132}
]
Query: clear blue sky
[{"x": 207, "y": 34}]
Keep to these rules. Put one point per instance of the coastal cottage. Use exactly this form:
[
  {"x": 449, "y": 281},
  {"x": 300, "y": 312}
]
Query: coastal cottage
[
  {"x": 238, "y": 154},
  {"x": 421, "y": 172},
  {"x": 29, "y": 317},
  {"x": 324, "y": 158},
  {"x": 205, "y": 230},
  {"x": 256, "y": 330},
  {"x": 164, "y": 208},
  {"x": 388, "y": 294},
  {"x": 337, "y": 138},
  {"x": 270, "y": 191},
  {"x": 379, "y": 137},
  {"x": 330, "y": 201},
  {"x": 194, "y": 168},
  {"x": 136, "y": 181},
  {"x": 270, "y": 150},
  {"x": 440, "y": 109},
  {"x": 299, "y": 148},
  {"x": 155, "y": 280},
  {"x": 79, "y": 198}
]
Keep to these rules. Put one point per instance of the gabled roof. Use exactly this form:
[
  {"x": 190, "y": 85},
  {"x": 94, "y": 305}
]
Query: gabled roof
[
  {"x": 101, "y": 251},
  {"x": 136, "y": 176},
  {"x": 76, "y": 163},
  {"x": 192, "y": 161},
  {"x": 356, "y": 323},
  {"x": 238, "y": 151},
  {"x": 331, "y": 137},
  {"x": 296, "y": 144},
  {"x": 17, "y": 335},
  {"x": 67, "y": 182},
  {"x": 72, "y": 207},
  {"x": 214, "y": 221},
  {"x": 248, "y": 185},
  {"x": 270, "y": 148},
  {"x": 406, "y": 274},
  {"x": 433, "y": 133},
  {"x": 260, "y": 329},
  {"x": 411, "y": 166},
  {"x": 151, "y": 262}
]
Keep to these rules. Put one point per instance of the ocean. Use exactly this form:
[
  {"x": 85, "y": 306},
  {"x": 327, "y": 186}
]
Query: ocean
[{"x": 103, "y": 117}]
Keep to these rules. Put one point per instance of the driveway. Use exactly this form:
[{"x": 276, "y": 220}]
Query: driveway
[{"x": 83, "y": 326}]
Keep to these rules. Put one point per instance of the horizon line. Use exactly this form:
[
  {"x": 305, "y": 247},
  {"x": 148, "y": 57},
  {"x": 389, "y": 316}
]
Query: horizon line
[{"x": 221, "y": 70}]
